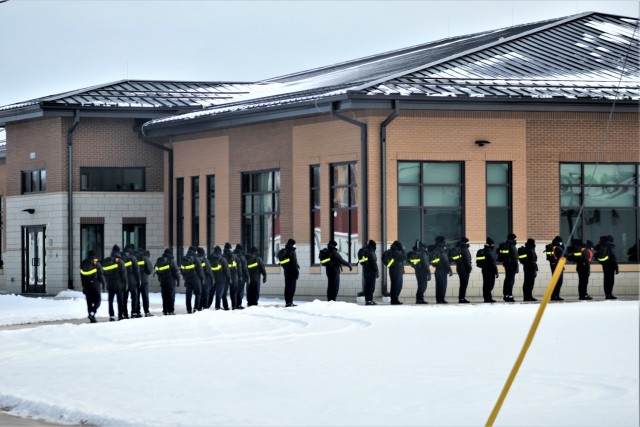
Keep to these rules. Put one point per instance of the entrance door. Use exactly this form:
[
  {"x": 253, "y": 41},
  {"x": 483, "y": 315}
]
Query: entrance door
[{"x": 33, "y": 259}]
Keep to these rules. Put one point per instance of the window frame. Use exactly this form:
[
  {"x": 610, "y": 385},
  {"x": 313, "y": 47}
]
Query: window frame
[
  {"x": 270, "y": 220},
  {"x": 99, "y": 173},
  {"x": 33, "y": 181},
  {"x": 508, "y": 208},
  {"x": 315, "y": 217},
  {"x": 352, "y": 208}
]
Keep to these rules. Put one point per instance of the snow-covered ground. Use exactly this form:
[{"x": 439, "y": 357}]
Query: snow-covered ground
[{"x": 322, "y": 364}]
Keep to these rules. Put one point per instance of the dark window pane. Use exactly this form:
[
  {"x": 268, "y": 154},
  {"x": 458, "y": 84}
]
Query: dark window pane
[
  {"x": 498, "y": 223},
  {"x": 408, "y": 226},
  {"x": 442, "y": 222}
]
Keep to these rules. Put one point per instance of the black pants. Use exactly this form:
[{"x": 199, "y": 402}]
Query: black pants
[
  {"x": 207, "y": 290},
  {"x": 132, "y": 290},
  {"x": 143, "y": 293},
  {"x": 529, "y": 281},
  {"x": 253, "y": 292},
  {"x": 463, "y": 274},
  {"x": 168, "y": 292},
  {"x": 369, "y": 285},
  {"x": 583, "y": 282},
  {"x": 239, "y": 293},
  {"x": 333, "y": 285},
  {"x": 397, "y": 279},
  {"x": 509, "y": 281},
  {"x": 93, "y": 297},
  {"x": 421, "y": 278},
  {"x": 233, "y": 291},
  {"x": 556, "y": 291},
  {"x": 609, "y": 277},
  {"x": 290, "y": 280},
  {"x": 488, "y": 282},
  {"x": 221, "y": 289},
  {"x": 118, "y": 294},
  {"x": 193, "y": 287},
  {"x": 441, "y": 284}
]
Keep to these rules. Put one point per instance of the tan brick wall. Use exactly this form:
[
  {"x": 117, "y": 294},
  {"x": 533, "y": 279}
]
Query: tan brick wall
[{"x": 554, "y": 138}]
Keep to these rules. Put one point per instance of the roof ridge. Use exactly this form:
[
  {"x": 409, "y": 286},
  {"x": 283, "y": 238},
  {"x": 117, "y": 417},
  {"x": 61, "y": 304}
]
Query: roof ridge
[{"x": 556, "y": 22}]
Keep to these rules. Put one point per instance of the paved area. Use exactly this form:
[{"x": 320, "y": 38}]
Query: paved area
[{"x": 11, "y": 421}]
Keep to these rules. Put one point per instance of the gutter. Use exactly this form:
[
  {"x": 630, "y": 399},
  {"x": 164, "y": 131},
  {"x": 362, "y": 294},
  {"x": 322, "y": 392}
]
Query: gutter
[
  {"x": 383, "y": 189},
  {"x": 170, "y": 184},
  {"x": 76, "y": 121}
]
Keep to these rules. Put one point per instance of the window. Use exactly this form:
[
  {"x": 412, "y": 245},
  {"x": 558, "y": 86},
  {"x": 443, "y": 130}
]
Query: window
[
  {"x": 211, "y": 212},
  {"x": 91, "y": 239},
  {"x": 499, "y": 213},
  {"x": 195, "y": 211},
  {"x": 430, "y": 201},
  {"x": 314, "y": 197},
  {"x": 134, "y": 234},
  {"x": 261, "y": 212},
  {"x": 344, "y": 209},
  {"x": 609, "y": 192},
  {"x": 34, "y": 181},
  {"x": 179, "y": 216},
  {"x": 112, "y": 179}
]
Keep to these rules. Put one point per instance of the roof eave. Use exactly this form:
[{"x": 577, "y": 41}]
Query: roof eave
[{"x": 384, "y": 102}]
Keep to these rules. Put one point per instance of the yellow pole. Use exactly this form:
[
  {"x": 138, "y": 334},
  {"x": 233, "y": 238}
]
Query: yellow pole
[{"x": 532, "y": 331}]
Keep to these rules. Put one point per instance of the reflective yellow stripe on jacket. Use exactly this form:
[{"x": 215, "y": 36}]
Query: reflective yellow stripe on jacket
[
  {"x": 110, "y": 267},
  {"x": 363, "y": 259},
  {"x": 88, "y": 273},
  {"x": 163, "y": 268},
  {"x": 254, "y": 265}
]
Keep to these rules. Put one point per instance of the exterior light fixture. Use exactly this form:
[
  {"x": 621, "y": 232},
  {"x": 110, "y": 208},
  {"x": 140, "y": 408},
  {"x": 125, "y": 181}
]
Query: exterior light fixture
[
  {"x": 29, "y": 210},
  {"x": 482, "y": 143}
]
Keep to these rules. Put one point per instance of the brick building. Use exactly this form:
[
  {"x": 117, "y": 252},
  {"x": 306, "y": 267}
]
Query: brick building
[{"x": 480, "y": 135}]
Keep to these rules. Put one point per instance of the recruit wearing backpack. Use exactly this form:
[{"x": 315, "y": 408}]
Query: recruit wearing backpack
[
  {"x": 188, "y": 266},
  {"x": 162, "y": 268},
  {"x": 523, "y": 257},
  {"x": 88, "y": 272},
  {"x": 503, "y": 252},
  {"x": 363, "y": 255},
  {"x": 602, "y": 253},
  {"x": 455, "y": 254},
  {"x": 325, "y": 257},
  {"x": 481, "y": 259},
  {"x": 283, "y": 257},
  {"x": 387, "y": 258}
]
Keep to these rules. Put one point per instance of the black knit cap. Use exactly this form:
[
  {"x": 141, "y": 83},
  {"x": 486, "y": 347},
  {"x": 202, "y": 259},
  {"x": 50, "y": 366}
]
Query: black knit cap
[
  {"x": 200, "y": 252},
  {"x": 530, "y": 243},
  {"x": 217, "y": 250},
  {"x": 511, "y": 237},
  {"x": 291, "y": 243},
  {"x": 115, "y": 248},
  {"x": 440, "y": 239},
  {"x": 333, "y": 243},
  {"x": 490, "y": 241},
  {"x": 464, "y": 240},
  {"x": 227, "y": 245},
  {"x": 372, "y": 244},
  {"x": 166, "y": 252}
]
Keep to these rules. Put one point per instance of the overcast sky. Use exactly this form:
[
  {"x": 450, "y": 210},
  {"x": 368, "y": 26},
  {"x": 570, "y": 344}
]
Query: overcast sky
[{"x": 51, "y": 46}]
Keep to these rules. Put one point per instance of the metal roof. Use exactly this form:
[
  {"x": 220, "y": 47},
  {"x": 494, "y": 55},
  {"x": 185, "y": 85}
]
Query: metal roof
[
  {"x": 174, "y": 96},
  {"x": 589, "y": 56}
]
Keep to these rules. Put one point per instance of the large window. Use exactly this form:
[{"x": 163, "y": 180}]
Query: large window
[
  {"x": 344, "y": 209},
  {"x": 134, "y": 233},
  {"x": 314, "y": 197},
  {"x": 211, "y": 212},
  {"x": 112, "y": 179},
  {"x": 195, "y": 211},
  {"x": 34, "y": 181},
  {"x": 610, "y": 195},
  {"x": 430, "y": 201},
  {"x": 261, "y": 212},
  {"x": 91, "y": 239},
  {"x": 499, "y": 213}
]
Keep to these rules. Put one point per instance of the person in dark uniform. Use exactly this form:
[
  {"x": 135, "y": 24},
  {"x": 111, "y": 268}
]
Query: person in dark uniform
[
  {"x": 333, "y": 269},
  {"x": 169, "y": 278},
  {"x": 511, "y": 268},
  {"x": 370, "y": 272},
  {"x": 221, "y": 278},
  {"x": 243, "y": 274},
  {"x": 193, "y": 276},
  {"x": 92, "y": 277},
  {"x": 463, "y": 268},
  {"x": 291, "y": 269},
  {"x": 442, "y": 269},
  {"x": 133, "y": 281},
  {"x": 489, "y": 270},
  {"x": 232, "y": 265},
  {"x": 396, "y": 271},
  {"x": 116, "y": 277},
  {"x": 207, "y": 285},
  {"x": 145, "y": 267},
  {"x": 530, "y": 266},
  {"x": 256, "y": 268},
  {"x": 582, "y": 256},
  {"x": 419, "y": 260},
  {"x": 557, "y": 250},
  {"x": 609, "y": 264}
]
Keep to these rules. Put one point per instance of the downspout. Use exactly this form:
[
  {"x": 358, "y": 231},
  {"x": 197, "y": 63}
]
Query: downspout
[
  {"x": 170, "y": 185},
  {"x": 76, "y": 120},
  {"x": 363, "y": 170},
  {"x": 383, "y": 188}
]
